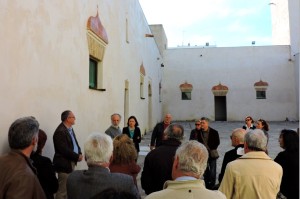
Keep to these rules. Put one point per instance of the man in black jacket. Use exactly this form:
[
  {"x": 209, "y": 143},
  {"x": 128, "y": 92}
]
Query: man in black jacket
[
  {"x": 158, "y": 162},
  {"x": 157, "y": 134},
  {"x": 210, "y": 138},
  {"x": 237, "y": 141},
  {"x": 67, "y": 151}
]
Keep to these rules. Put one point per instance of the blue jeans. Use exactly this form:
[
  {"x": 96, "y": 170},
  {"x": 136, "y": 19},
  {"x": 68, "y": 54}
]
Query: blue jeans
[{"x": 210, "y": 174}]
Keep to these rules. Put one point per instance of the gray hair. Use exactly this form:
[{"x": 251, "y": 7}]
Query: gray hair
[
  {"x": 98, "y": 148},
  {"x": 22, "y": 131},
  {"x": 240, "y": 134},
  {"x": 116, "y": 114},
  {"x": 192, "y": 157},
  {"x": 256, "y": 140},
  {"x": 175, "y": 131}
]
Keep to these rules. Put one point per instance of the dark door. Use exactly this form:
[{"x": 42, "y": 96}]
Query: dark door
[{"x": 220, "y": 108}]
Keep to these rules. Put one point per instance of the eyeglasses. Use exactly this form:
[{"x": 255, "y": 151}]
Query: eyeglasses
[
  {"x": 247, "y": 120},
  {"x": 197, "y": 124}
]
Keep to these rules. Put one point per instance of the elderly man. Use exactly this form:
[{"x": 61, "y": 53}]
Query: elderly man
[
  {"x": 98, "y": 150},
  {"x": 157, "y": 134},
  {"x": 158, "y": 162},
  {"x": 237, "y": 141},
  {"x": 255, "y": 174},
  {"x": 17, "y": 175},
  {"x": 188, "y": 167},
  {"x": 114, "y": 129},
  {"x": 67, "y": 151}
]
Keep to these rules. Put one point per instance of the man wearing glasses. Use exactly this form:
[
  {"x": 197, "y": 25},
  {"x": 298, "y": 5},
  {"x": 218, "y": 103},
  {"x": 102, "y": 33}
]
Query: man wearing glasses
[
  {"x": 208, "y": 136},
  {"x": 67, "y": 151}
]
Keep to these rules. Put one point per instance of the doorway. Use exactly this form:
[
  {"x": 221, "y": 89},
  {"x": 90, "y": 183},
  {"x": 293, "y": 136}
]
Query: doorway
[{"x": 220, "y": 108}]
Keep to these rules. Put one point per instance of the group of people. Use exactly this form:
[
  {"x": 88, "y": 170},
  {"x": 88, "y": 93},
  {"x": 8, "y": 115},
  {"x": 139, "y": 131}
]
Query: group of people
[
  {"x": 247, "y": 170},
  {"x": 172, "y": 169}
]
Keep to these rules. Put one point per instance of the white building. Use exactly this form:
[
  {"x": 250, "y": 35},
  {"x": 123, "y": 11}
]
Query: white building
[{"x": 100, "y": 57}]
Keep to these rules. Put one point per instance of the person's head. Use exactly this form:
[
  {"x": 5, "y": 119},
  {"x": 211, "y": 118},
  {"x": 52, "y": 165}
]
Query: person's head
[
  {"x": 174, "y": 131},
  {"x": 168, "y": 118},
  {"x": 262, "y": 124},
  {"x": 115, "y": 119},
  {"x": 132, "y": 121},
  {"x": 124, "y": 150},
  {"x": 98, "y": 149},
  {"x": 289, "y": 140},
  {"x": 198, "y": 124},
  {"x": 237, "y": 136},
  {"x": 190, "y": 160},
  {"x": 111, "y": 193},
  {"x": 249, "y": 120},
  {"x": 204, "y": 121},
  {"x": 68, "y": 118},
  {"x": 255, "y": 140},
  {"x": 42, "y": 140},
  {"x": 23, "y": 133}
]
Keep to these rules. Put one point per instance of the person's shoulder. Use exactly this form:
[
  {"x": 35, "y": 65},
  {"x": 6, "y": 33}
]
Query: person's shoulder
[
  {"x": 212, "y": 130},
  {"x": 118, "y": 177}
]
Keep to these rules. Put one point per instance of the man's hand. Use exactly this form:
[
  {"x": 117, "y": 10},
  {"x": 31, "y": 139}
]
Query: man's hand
[
  {"x": 152, "y": 147},
  {"x": 80, "y": 158}
]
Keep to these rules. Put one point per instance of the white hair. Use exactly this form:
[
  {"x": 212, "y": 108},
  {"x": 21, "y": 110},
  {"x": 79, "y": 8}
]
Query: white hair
[
  {"x": 256, "y": 140},
  {"x": 98, "y": 148},
  {"x": 192, "y": 157}
]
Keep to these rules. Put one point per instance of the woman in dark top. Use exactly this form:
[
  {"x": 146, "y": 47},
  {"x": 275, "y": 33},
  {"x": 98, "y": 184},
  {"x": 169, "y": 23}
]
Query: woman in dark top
[
  {"x": 133, "y": 132},
  {"x": 44, "y": 167},
  {"x": 289, "y": 160}
]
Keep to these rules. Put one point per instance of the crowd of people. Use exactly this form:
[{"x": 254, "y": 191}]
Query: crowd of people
[{"x": 173, "y": 168}]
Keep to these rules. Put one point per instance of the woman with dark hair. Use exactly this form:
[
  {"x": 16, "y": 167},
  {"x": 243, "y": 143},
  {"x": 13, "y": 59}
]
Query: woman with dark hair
[
  {"x": 264, "y": 126},
  {"x": 124, "y": 157},
  {"x": 44, "y": 167},
  {"x": 289, "y": 161},
  {"x": 249, "y": 124},
  {"x": 133, "y": 131}
]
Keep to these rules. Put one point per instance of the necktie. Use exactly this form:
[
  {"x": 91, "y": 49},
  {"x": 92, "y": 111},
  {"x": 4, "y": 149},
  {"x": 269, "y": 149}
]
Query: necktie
[{"x": 75, "y": 147}]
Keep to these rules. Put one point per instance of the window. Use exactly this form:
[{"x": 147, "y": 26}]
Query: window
[
  {"x": 93, "y": 73},
  {"x": 142, "y": 86},
  {"x": 186, "y": 95},
  {"x": 260, "y": 94}
]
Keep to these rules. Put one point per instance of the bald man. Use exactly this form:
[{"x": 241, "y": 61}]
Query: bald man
[{"x": 237, "y": 141}]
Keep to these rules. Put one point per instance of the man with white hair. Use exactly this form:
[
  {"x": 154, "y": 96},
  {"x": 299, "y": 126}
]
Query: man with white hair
[
  {"x": 237, "y": 141},
  {"x": 255, "y": 174},
  {"x": 98, "y": 150},
  {"x": 188, "y": 167}
]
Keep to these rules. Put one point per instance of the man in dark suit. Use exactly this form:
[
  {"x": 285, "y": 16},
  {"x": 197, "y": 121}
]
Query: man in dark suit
[
  {"x": 237, "y": 141},
  {"x": 98, "y": 150},
  {"x": 67, "y": 151},
  {"x": 157, "y": 134},
  {"x": 158, "y": 162},
  {"x": 210, "y": 138}
]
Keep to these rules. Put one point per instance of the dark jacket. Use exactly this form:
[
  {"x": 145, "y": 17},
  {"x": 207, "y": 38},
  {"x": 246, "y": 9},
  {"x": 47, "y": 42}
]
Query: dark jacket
[
  {"x": 157, "y": 134},
  {"x": 290, "y": 179},
  {"x": 18, "y": 177},
  {"x": 229, "y": 157},
  {"x": 213, "y": 138},
  {"x": 63, "y": 147},
  {"x": 136, "y": 136},
  {"x": 252, "y": 127},
  {"x": 83, "y": 184},
  {"x": 158, "y": 166},
  {"x": 45, "y": 174}
]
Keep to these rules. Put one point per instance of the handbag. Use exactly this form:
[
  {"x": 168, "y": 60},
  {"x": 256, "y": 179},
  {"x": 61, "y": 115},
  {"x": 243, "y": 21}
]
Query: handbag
[{"x": 214, "y": 154}]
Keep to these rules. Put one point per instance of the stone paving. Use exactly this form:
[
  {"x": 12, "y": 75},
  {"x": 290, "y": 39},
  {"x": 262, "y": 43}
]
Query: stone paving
[{"x": 224, "y": 129}]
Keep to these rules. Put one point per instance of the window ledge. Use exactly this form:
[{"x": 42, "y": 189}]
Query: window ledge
[{"x": 97, "y": 89}]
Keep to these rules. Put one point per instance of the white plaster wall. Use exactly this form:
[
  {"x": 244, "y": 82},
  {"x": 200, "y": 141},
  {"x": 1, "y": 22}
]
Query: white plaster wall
[
  {"x": 280, "y": 22},
  {"x": 44, "y": 64},
  {"x": 238, "y": 68}
]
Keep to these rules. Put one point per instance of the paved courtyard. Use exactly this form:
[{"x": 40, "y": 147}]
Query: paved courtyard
[{"x": 224, "y": 129}]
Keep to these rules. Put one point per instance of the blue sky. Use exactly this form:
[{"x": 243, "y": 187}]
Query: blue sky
[{"x": 222, "y": 23}]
